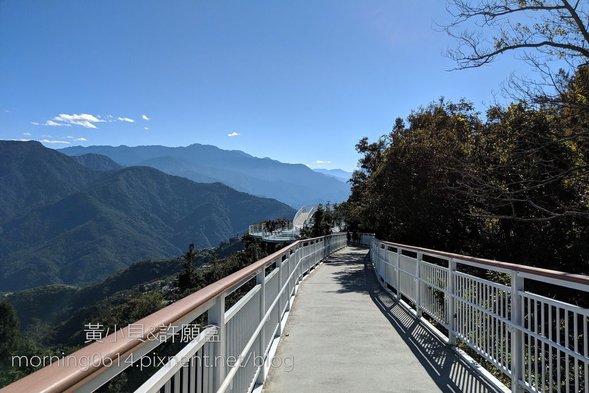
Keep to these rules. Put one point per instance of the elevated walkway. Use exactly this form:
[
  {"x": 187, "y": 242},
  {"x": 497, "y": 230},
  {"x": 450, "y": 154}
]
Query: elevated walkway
[
  {"x": 346, "y": 334},
  {"x": 313, "y": 317}
]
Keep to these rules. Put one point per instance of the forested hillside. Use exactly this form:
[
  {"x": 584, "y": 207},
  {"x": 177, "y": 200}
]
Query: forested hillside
[
  {"x": 65, "y": 223},
  {"x": 50, "y": 320}
]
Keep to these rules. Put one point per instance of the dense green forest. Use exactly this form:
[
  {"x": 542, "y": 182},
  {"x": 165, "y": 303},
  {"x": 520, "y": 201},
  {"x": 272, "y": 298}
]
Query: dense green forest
[{"x": 512, "y": 184}]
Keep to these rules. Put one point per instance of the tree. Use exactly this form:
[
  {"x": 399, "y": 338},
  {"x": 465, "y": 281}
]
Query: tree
[
  {"x": 527, "y": 166},
  {"x": 553, "y": 29},
  {"x": 404, "y": 188},
  {"x": 9, "y": 330},
  {"x": 253, "y": 248},
  {"x": 323, "y": 220},
  {"x": 358, "y": 209},
  {"x": 187, "y": 277},
  {"x": 132, "y": 310},
  {"x": 540, "y": 31},
  {"x": 536, "y": 167},
  {"x": 514, "y": 186}
]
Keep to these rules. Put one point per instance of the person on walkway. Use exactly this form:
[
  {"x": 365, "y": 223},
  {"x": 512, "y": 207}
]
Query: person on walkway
[{"x": 349, "y": 236}]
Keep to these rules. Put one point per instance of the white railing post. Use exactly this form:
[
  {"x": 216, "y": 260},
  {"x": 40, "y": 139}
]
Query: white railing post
[
  {"x": 398, "y": 272},
  {"x": 261, "y": 280},
  {"x": 304, "y": 253},
  {"x": 216, "y": 316},
  {"x": 517, "y": 347},
  {"x": 418, "y": 286},
  {"x": 451, "y": 302},
  {"x": 280, "y": 266},
  {"x": 379, "y": 260},
  {"x": 292, "y": 261},
  {"x": 387, "y": 258}
]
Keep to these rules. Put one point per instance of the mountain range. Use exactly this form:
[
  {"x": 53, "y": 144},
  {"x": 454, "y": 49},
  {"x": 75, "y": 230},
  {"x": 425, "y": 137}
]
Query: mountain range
[
  {"x": 294, "y": 184},
  {"x": 338, "y": 174},
  {"x": 76, "y": 220}
]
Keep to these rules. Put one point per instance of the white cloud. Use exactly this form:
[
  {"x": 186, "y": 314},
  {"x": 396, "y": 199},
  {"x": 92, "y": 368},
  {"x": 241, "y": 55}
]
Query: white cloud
[
  {"x": 58, "y": 142},
  {"x": 85, "y": 120},
  {"x": 82, "y": 119},
  {"x": 146, "y": 128},
  {"x": 233, "y": 134},
  {"x": 27, "y": 134},
  {"x": 145, "y": 117},
  {"x": 113, "y": 119},
  {"x": 77, "y": 139},
  {"x": 321, "y": 162},
  {"x": 52, "y": 123}
]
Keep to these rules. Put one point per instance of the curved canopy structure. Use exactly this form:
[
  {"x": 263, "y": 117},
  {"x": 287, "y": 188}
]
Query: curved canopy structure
[
  {"x": 303, "y": 216},
  {"x": 301, "y": 220}
]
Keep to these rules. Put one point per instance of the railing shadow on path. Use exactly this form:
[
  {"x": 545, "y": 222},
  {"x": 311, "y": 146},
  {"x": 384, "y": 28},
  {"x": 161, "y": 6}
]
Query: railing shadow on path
[{"x": 449, "y": 371}]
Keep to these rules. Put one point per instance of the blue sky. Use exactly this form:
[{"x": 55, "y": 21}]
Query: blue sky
[{"x": 297, "y": 81}]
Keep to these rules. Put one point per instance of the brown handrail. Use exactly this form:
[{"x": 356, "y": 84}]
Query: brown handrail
[
  {"x": 57, "y": 378},
  {"x": 576, "y": 278}
]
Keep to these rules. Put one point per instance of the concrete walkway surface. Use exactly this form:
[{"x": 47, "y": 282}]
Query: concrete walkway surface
[{"x": 346, "y": 334}]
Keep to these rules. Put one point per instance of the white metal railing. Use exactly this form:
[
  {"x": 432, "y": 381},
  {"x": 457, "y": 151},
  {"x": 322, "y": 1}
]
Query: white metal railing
[
  {"x": 232, "y": 354},
  {"x": 504, "y": 312},
  {"x": 278, "y": 235}
]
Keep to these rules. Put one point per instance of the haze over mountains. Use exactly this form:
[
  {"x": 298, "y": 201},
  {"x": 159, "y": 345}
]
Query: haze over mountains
[
  {"x": 77, "y": 220},
  {"x": 339, "y": 174},
  {"x": 294, "y": 184}
]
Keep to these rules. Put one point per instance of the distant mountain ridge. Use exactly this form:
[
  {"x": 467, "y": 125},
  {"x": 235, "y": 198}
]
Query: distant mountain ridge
[
  {"x": 294, "y": 184},
  {"x": 61, "y": 222},
  {"x": 97, "y": 162},
  {"x": 339, "y": 174}
]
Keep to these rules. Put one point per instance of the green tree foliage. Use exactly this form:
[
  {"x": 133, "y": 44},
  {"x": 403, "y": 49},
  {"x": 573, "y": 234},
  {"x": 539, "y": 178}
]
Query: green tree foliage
[
  {"x": 187, "y": 277},
  {"x": 25, "y": 348},
  {"x": 254, "y": 249},
  {"x": 324, "y": 219},
  {"x": 8, "y": 330},
  {"x": 404, "y": 187},
  {"x": 513, "y": 185},
  {"x": 321, "y": 222},
  {"x": 133, "y": 309}
]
